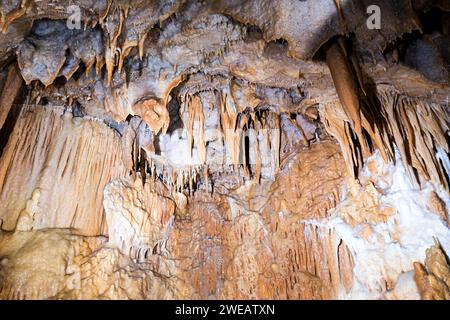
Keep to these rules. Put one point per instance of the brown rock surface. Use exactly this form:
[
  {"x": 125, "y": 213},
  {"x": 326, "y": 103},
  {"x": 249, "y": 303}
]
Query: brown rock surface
[
  {"x": 224, "y": 149},
  {"x": 51, "y": 161},
  {"x": 433, "y": 278}
]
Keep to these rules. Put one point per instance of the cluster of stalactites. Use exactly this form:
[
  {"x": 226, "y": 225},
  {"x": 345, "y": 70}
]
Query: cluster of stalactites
[
  {"x": 250, "y": 138},
  {"x": 420, "y": 131},
  {"x": 235, "y": 126},
  {"x": 184, "y": 179},
  {"x": 112, "y": 20},
  {"x": 115, "y": 53},
  {"x": 417, "y": 128}
]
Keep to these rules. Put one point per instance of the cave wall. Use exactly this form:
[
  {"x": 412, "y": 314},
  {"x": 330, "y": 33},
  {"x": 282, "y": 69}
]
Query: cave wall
[
  {"x": 50, "y": 162},
  {"x": 224, "y": 150}
]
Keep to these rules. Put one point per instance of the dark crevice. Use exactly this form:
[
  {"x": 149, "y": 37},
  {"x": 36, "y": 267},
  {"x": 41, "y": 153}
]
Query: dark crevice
[
  {"x": 426, "y": 51},
  {"x": 254, "y": 33},
  {"x": 174, "y": 113},
  {"x": 80, "y": 71},
  {"x": 276, "y": 49},
  {"x": 11, "y": 119}
]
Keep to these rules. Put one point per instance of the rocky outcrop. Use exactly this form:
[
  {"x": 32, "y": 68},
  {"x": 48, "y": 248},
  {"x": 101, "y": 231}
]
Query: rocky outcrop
[
  {"x": 138, "y": 219},
  {"x": 433, "y": 278}
]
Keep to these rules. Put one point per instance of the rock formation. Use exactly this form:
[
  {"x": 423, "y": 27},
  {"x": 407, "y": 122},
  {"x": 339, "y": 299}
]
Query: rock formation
[{"x": 224, "y": 149}]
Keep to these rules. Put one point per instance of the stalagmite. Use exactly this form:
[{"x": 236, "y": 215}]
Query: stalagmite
[
  {"x": 136, "y": 230},
  {"x": 433, "y": 279}
]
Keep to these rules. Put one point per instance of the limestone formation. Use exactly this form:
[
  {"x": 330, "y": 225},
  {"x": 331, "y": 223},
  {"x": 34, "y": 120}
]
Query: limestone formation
[{"x": 224, "y": 150}]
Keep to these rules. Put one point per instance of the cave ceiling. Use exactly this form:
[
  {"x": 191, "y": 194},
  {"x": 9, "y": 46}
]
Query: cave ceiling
[{"x": 155, "y": 116}]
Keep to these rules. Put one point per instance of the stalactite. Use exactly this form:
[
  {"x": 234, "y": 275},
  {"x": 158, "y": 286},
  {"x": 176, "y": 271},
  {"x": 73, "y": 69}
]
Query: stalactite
[
  {"x": 112, "y": 57},
  {"x": 110, "y": 63},
  {"x": 104, "y": 15},
  {"x": 47, "y": 156},
  {"x": 99, "y": 63},
  {"x": 199, "y": 128},
  {"x": 335, "y": 123},
  {"x": 347, "y": 90},
  {"x": 195, "y": 126},
  {"x": 228, "y": 118},
  {"x": 7, "y": 19},
  {"x": 241, "y": 124},
  {"x": 142, "y": 37},
  {"x": 416, "y": 128},
  {"x": 275, "y": 136},
  {"x": 257, "y": 174},
  {"x": 13, "y": 83},
  {"x": 190, "y": 128}
]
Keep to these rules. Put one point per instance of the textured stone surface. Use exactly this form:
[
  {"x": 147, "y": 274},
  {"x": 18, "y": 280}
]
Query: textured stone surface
[
  {"x": 224, "y": 150},
  {"x": 50, "y": 162}
]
